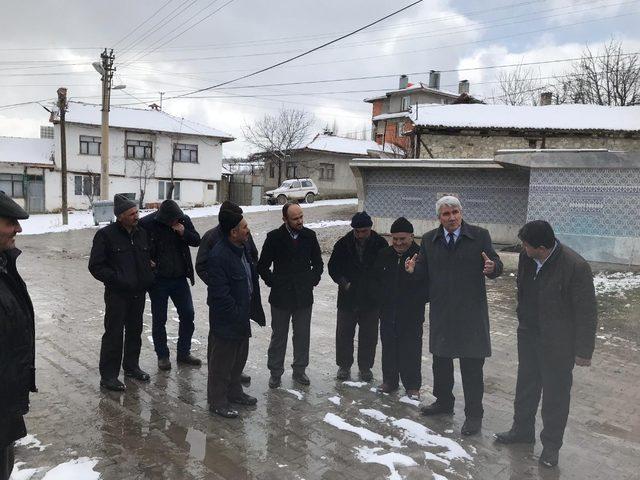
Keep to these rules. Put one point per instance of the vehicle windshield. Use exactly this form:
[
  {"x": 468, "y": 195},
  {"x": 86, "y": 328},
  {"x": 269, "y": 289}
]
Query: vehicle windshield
[{"x": 287, "y": 184}]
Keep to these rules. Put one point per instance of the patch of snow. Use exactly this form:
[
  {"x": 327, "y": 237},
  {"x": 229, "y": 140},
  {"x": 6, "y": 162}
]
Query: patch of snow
[
  {"x": 616, "y": 283},
  {"x": 448, "y": 431},
  {"x": 335, "y": 400},
  {"x": 79, "y": 469},
  {"x": 30, "y": 441},
  {"x": 23, "y": 474},
  {"x": 349, "y": 383},
  {"x": 373, "y": 389},
  {"x": 282, "y": 465},
  {"x": 438, "y": 477},
  {"x": 410, "y": 401},
  {"x": 436, "y": 458},
  {"x": 363, "y": 433},
  {"x": 328, "y": 223},
  {"x": 377, "y": 414},
  {"x": 424, "y": 436},
  {"x": 389, "y": 460},
  {"x": 295, "y": 393}
]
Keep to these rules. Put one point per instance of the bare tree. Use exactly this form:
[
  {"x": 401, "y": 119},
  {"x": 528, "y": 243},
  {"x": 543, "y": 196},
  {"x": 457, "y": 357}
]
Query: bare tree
[
  {"x": 276, "y": 135},
  {"x": 519, "y": 86},
  {"x": 145, "y": 170},
  {"x": 608, "y": 77},
  {"x": 91, "y": 186}
]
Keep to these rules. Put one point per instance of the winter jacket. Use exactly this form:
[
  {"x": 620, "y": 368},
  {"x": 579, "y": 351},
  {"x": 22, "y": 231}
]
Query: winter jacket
[
  {"x": 231, "y": 306},
  {"x": 345, "y": 268},
  {"x": 121, "y": 260},
  {"x": 458, "y": 311},
  {"x": 296, "y": 269},
  {"x": 209, "y": 240},
  {"x": 17, "y": 349},
  {"x": 567, "y": 311},
  {"x": 167, "y": 247}
]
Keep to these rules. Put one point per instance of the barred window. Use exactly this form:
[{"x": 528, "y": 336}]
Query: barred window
[{"x": 88, "y": 185}]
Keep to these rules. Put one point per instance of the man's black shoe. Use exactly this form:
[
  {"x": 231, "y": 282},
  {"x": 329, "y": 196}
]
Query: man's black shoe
[
  {"x": 366, "y": 375},
  {"x": 137, "y": 374},
  {"x": 244, "y": 378},
  {"x": 189, "y": 360},
  {"x": 244, "y": 399},
  {"x": 112, "y": 384},
  {"x": 274, "y": 381},
  {"x": 225, "y": 412},
  {"x": 301, "y": 378},
  {"x": 343, "y": 373},
  {"x": 471, "y": 426},
  {"x": 548, "y": 458},
  {"x": 437, "y": 408},
  {"x": 513, "y": 436},
  {"x": 164, "y": 363}
]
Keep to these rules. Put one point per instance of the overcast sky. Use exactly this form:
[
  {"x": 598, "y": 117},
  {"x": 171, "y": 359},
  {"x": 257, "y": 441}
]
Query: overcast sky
[{"x": 46, "y": 44}]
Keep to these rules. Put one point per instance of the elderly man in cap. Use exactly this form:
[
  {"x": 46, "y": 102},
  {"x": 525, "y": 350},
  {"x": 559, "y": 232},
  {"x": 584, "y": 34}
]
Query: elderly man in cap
[
  {"x": 454, "y": 260},
  {"x": 120, "y": 259},
  {"x": 171, "y": 233},
  {"x": 234, "y": 300},
  {"x": 350, "y": 267},
  {"x": 557, "y": 319},
  {"x": 17, "y": 337},
  {"x": 209, "y": 240},
  {"x": 402, "y": 299}
]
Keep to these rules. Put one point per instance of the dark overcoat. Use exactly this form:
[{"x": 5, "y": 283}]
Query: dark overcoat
[
  {"x": 345, "y": 268},
  {"x": 567, "y": 310},
  {"x": 458, "y": 312},
  {"x": 296, "y": 269},
  {"x": 17, "y": 349}
]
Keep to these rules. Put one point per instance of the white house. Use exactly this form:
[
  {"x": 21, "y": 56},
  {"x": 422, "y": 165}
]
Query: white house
[{"x": 144, "y": 146}]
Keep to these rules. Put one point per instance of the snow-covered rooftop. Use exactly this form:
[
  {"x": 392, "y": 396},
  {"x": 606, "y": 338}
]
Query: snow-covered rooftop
[
  {"x": 388, "y": 116},
  {"x": 412, "y": 88},
  {"x": 33, "y": 151},
  {"x": 350, "y": 146},
  {"x": 549, "y": 117},
  {"x": 139, "y": 119}
]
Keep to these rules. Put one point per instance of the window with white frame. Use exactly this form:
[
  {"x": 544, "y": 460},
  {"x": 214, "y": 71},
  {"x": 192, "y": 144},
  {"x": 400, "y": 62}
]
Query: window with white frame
[
  {"x": 400, "y": 129},
  {"x": 292, "y": 170},
  {"x": 406, "y": 103},
  {"x": 187, "y": 153},
  {"x": 140, "y": 149},
  {"x": 163, "y": 190},
  {"x": 12, "y": 185},
  {"x": 327, "y": 171},
  {"x": 90, "y": 145},
  {"x": 87, "y": 185}
]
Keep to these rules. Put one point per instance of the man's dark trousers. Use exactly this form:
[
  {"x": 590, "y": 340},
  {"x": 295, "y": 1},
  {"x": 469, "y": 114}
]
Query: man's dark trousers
[
  {"x": 226, "y": 363},
  {"x": 301, "y": 321},
  {"x": 401, "y": 354},
  {"x": 178, "y": 290},
  {"x": 367, "y": 322},
  {"x": 123, "y": 313},
  {"x": 6, "y": 461},
  {"x": 472, "y": 383},
  {"x": 551, "y": 376}
]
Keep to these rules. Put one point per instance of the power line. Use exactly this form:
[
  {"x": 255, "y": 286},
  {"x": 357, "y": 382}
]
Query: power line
[{"x": 141, "y": 24}]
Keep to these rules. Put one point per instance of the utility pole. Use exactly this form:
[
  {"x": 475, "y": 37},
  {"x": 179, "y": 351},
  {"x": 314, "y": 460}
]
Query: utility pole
[
  {"x": 62, "y": 108},
  {"x": 161, "y": 95},
  {"x": 105, "y": 69}
]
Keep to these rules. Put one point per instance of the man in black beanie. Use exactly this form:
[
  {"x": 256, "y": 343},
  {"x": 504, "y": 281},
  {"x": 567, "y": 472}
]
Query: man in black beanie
[
  {"x": 209, "y": 240},
  {"x": 234, "y": 299},
  {"x": 171, "y": 233},
  {"x": 402, "y": 299},
  {"x": 350, "y": 266},
  {"x": 120, "y": 259}
]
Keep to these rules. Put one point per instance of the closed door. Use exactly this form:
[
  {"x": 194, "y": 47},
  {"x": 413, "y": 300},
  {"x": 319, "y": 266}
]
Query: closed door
[{"x": 35, "y": 197}]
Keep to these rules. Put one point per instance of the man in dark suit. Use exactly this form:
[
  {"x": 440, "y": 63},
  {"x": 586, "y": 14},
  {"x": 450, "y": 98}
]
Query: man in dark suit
[{"x": 294, "y": 253}]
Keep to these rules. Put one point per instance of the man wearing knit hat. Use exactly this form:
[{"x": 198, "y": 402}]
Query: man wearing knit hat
[
  {"x": 171, "y": 233},
  {"x": 402, "y": 299},
  {"x": 233, "y": 299},
  {"x": 120, "y": 259},
  {"x": 17, "y": 337},
  {"x": 350, "y": 267}
]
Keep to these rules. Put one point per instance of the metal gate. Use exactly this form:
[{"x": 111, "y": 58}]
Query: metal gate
[{"x": 35, "y": 196}]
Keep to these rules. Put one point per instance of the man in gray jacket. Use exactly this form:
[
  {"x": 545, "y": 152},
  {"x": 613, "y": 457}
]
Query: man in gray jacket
[{"x": 557, "y": 318}]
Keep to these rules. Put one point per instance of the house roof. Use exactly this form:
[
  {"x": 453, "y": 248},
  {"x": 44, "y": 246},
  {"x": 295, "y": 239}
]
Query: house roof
[
  {"x": 389, "y": 116},
  {"x": 549, "y": 117},
  {"x": 413, "y": 88},
  {"x": 350, "y": 146},
  {"x": 29, "y": 151},
  {"x": 139, "y": 119}
]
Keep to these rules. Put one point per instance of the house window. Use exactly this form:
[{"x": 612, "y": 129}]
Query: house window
[
  {"x": 90, "y": 145},
  {"x": 406, "y": 103},
  {"x": 163, "y": 190},
  {"x": 12, "y": 185},
  {"x": 140, "y": 149},
  {"x": 327, "y": 171},
  {"x": 399, "y": 129},
  {"x": 291, "y": 170},
  {"x": 88, "y": 185},
  {"x": 210, "y": 186},
  {"x": 187, "y": 153},
  {"x": 272, "y": 171}
]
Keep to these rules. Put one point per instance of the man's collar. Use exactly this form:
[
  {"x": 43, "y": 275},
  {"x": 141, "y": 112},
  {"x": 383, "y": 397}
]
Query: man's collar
[{"x": 464, "y": 230}]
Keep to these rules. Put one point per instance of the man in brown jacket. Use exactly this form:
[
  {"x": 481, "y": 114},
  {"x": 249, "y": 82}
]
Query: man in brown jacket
[{"x": 557, "y": 318}]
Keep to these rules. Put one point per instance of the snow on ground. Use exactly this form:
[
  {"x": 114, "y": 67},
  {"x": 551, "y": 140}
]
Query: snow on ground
[
  {"x": 30, "y": 441},
  {"x": 335, "y": 400},
  {"x": 438, "y": 477},
  {"x": 363, "y": 433},
  {"x": 22, "y": 474},
  {"x": 389, "y": 460},
  {"x": 349, "y": 383},
  {"x": 616, "y": 283},
  {"x": 327, "y": 223},
  {"x": 376, "y": 414},
  {"x": 424, "y": 436},
  {"x": 410, "y": 401},
  {"x": 295, "y": 393},
  {"x": 52, "y": 222},
  {"x": 80, "y": 469},
  {"x": 436, "y": 458}
]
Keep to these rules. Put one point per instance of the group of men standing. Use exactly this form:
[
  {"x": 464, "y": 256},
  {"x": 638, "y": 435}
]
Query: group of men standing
[{"x": 379, "y": 286}]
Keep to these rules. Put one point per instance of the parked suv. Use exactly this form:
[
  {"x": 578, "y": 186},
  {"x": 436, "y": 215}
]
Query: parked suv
[{"x": 293, "y": 189}]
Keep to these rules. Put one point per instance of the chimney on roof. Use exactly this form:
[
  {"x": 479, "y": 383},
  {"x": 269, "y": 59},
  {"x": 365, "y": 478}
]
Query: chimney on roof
[
  {"x": 463, "y": 87},
  {"x": 546, "y": 98},
  {"x": 434, "y": 80},
  {"x": 404, "y": 82}
]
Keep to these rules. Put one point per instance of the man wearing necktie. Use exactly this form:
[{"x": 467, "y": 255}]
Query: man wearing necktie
[{"x": 454, "y": 259}]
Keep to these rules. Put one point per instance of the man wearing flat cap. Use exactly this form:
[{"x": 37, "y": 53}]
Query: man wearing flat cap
[
  {"x": 120, "y": 259},
  {"x": 17, "y": 337},
  {"x": 171, "y": 233},
  {"x": 350, "y": 266},
  {"x": 233, "y": 299},
  {"x": 402, "y": 299}
]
